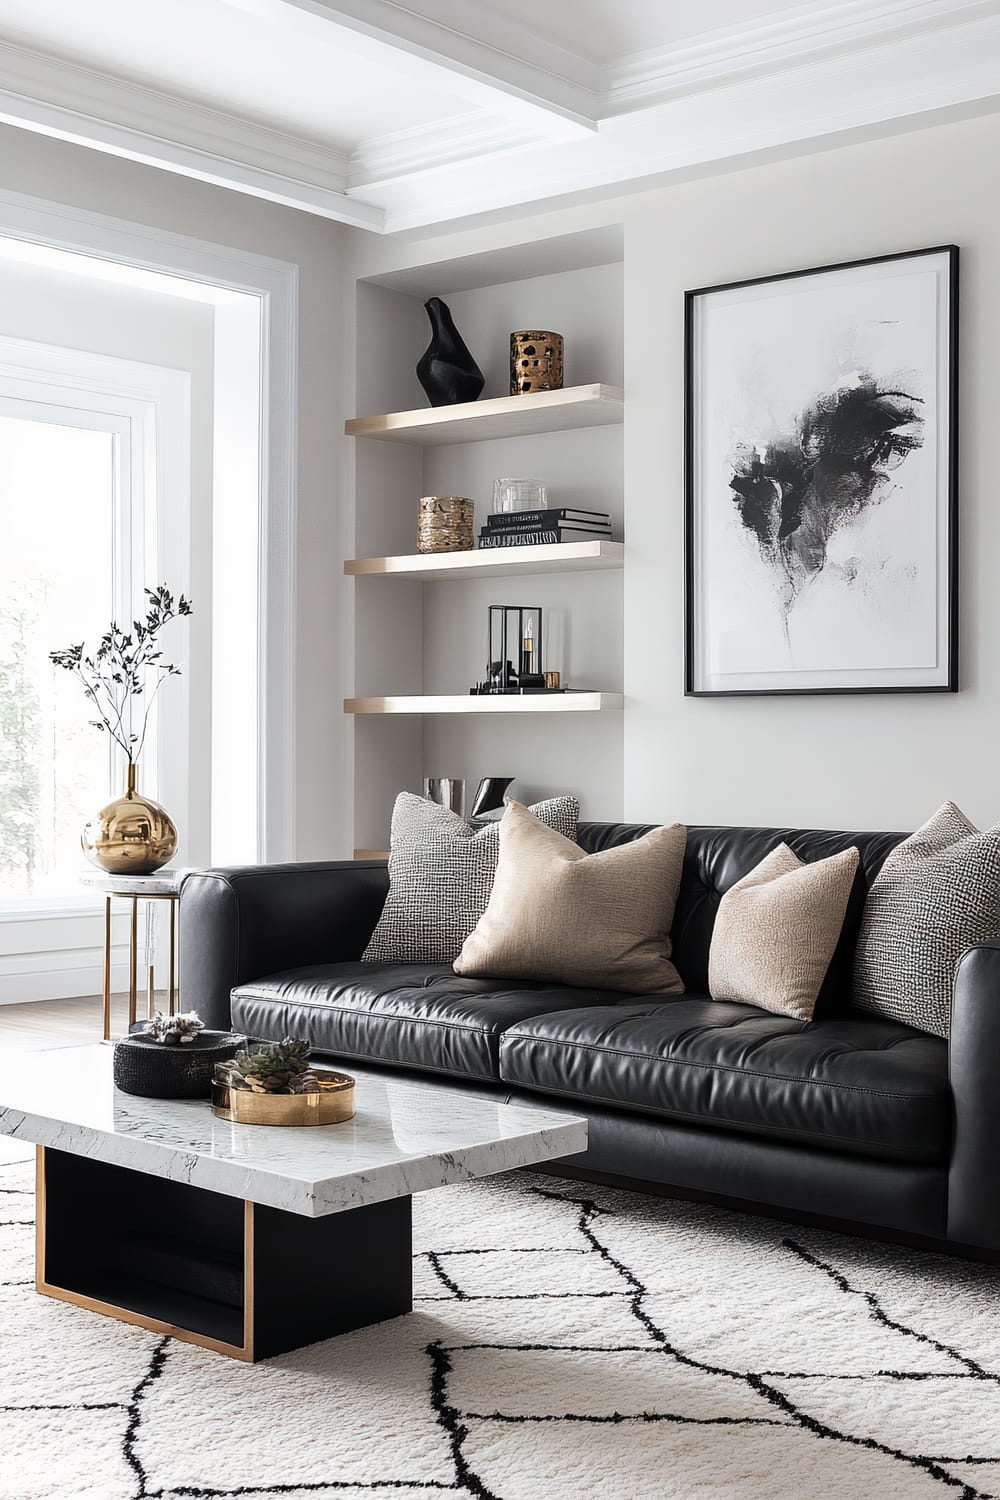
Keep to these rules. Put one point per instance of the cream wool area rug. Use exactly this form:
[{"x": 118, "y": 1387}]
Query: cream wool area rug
[{"x": 568, "y": 1343}]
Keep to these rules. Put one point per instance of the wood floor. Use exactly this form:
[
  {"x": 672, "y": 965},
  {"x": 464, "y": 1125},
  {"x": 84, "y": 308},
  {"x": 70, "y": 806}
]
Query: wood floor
[
  {"x": 52, "y": 1023},
  {"x": 58, "y": 1023}
]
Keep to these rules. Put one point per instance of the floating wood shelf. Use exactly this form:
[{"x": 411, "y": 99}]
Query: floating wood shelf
[
  {"x": 530, "y": 703},
  {"x": 502, "y": 416},
  {"x": 496, "y": 562}
]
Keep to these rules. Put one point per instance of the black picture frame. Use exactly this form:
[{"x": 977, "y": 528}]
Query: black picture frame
[{"x": 947, "y": 502}]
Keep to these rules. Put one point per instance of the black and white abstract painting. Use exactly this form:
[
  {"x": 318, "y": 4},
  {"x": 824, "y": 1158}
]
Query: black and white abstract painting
[{"x": 821, "y": 432}]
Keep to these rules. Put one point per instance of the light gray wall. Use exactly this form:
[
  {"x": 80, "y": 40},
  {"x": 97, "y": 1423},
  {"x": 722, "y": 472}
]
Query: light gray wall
[
  {"x": 72, "y": 175},
  {"x": 856, "y": 762},
  {"x": 878, "y": 761}
]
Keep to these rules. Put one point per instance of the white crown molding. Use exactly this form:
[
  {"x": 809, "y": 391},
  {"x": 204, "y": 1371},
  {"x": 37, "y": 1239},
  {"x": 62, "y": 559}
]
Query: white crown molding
[
  {"x": 504, "y": 68},
  {"x": 841, "y": 65},
  {"x": 843, "y": 92},
  {"x": 393, "y": 157},
  {"x": 783, "y": 40},
  {"x": 56, "y": 97},
  {"x": 777, "y": 41}
]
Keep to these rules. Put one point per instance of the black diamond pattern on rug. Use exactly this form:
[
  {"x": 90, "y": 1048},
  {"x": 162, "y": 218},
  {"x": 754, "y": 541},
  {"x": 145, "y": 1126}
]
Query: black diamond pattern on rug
[{"x": 565, "y": 1344}]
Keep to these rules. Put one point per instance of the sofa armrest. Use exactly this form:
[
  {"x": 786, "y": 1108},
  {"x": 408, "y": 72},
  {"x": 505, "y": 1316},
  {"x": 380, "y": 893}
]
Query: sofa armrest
[
  {"x": 242, "y": 923},
  {"x": 974, "y": 1064}
]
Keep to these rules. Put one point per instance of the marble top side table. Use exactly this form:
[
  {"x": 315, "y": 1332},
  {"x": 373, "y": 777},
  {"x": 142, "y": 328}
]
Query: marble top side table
[{"x": 165, "y": 885}]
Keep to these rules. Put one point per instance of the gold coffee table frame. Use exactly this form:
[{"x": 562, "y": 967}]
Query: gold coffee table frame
[{"x": 133, "y": 954}]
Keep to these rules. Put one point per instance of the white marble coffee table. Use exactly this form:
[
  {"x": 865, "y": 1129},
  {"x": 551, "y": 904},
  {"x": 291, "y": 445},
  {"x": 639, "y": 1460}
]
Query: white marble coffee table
[{"x": 250, "y": 1240}]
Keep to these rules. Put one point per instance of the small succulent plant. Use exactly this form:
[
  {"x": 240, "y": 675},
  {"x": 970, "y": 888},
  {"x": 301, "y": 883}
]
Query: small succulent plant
[
  {"x": 272, "y": 1068},
  {"x": 174, "y": 1031}
]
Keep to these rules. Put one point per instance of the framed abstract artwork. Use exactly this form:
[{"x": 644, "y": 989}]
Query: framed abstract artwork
[{"x": 821, "y": 479}]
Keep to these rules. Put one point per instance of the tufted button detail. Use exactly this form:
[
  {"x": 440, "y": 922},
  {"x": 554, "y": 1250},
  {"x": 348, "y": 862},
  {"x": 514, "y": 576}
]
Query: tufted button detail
[{"x": 717, "y": 858}]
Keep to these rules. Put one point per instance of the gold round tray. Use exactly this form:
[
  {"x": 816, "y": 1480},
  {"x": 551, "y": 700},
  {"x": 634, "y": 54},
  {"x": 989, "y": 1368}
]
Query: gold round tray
[{"x": 330, "y": 1105}]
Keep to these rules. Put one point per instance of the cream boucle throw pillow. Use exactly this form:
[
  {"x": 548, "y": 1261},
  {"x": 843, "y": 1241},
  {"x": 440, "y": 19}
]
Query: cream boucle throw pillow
[
  {"x": 776, "y": 930},
  {"x": 597, "y": 920},
  {"x": 440, "y": 877},
  {"x": 937, "y": 894}
]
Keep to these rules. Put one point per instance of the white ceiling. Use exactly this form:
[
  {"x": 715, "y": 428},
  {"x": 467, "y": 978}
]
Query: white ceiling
[
  {"x": 391, "y": 115},
  {"x": 218, "y": 55},
  {"x": 601, "y": 31}
]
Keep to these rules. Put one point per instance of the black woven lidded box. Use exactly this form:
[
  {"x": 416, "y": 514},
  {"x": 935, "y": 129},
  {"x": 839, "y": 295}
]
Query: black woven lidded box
[{"x": 154, "y": 1070}]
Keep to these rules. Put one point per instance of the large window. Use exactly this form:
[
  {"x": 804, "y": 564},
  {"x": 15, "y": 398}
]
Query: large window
[
  {"x": 80, "y": 480},
  {"x": 60, "y": 580}
]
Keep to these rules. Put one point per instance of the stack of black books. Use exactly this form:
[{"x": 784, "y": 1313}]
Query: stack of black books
[{"x": 534, "y": 528}]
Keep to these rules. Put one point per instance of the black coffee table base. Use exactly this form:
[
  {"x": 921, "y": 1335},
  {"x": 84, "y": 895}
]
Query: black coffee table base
[{"x": 240, "y": 1278}]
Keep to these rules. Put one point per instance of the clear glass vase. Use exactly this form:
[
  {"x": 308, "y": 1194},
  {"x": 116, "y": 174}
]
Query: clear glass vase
[{"x": 518, "y": 494}]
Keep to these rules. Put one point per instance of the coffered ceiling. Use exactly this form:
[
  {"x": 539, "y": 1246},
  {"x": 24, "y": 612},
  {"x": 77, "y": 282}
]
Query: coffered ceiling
[{"x": 390, "y": 116}]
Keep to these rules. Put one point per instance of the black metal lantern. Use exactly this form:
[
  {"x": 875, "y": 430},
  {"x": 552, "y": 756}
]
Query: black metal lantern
[{"x": 514, "y": 651}]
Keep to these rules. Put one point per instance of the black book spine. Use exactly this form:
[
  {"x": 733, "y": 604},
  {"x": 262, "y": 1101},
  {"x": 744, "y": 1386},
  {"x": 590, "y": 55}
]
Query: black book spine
[
  {"x": 517, "y": 538},
  {"x": 518, "y": 520},
  {"x": 538, "y": 537}
]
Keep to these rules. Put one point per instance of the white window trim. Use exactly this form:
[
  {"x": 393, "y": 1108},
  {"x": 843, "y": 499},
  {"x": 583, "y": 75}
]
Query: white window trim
[{"x": 276, "y": 284}]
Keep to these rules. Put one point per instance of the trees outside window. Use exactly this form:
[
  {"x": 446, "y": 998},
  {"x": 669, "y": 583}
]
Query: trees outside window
[{"x": 60, "y": 527}]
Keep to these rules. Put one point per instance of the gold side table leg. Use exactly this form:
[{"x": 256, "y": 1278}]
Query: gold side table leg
[
  {"x": 172, "y": 981},
  {"x": 133, "y": 955},
  {"x": 107, "y": 968}
]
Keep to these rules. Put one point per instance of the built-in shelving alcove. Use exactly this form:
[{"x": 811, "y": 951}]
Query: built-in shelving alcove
[{"x": 420, "y": 620}]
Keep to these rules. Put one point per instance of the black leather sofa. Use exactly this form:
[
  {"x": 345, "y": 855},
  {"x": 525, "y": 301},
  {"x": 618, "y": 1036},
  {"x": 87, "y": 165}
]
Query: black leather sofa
[{"x": 847, "y": 1120}]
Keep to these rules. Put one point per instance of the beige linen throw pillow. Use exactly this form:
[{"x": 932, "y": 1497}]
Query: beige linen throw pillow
[
  {"x": 597, "y": 920},
  {"x": 440, "y": 877},
  {"x": 776, "y": 931}
]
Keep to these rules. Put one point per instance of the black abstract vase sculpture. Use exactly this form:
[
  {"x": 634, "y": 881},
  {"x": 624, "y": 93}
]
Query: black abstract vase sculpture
[
  {"x": 446, "y": 370},
  {"x": 490, "y": 796}
]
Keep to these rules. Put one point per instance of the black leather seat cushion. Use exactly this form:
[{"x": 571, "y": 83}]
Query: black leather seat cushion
[
  {"x": 864, "y": 1087},
  {"x": 415, "y": 1015}
]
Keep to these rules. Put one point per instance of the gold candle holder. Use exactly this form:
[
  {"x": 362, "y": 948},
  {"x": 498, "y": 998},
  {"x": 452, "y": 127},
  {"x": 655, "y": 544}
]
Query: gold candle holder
[
  {"x": 536, "y": 362},
  {"x": 444, "y": 523}
]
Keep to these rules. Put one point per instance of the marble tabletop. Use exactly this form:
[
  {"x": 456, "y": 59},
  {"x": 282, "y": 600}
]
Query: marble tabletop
[
  {"x": 162, "y": 883},
  {"x": 405, "y": 1137}
]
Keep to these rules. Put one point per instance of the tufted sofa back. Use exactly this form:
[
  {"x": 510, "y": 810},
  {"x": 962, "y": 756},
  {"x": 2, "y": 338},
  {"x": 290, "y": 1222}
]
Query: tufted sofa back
[{"x": 717, "y": 857}]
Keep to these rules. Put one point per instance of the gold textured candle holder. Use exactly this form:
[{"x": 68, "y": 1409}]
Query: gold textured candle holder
[
  {"x": 536, "y": 362},
  {"x": 444, "y": 523}
]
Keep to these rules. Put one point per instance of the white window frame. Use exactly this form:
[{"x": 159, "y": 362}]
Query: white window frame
[{"x": 148, "y": 408}]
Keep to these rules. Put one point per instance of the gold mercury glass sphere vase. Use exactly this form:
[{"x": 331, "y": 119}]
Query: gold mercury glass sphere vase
[{"x": 131, "y": 836}]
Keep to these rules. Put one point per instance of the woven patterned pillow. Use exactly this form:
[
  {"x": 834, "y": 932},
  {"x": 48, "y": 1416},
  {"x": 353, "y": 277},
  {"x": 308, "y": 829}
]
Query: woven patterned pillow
[
  {"x": 937, "y": 894},
  {"x": 440, "y": 876}
]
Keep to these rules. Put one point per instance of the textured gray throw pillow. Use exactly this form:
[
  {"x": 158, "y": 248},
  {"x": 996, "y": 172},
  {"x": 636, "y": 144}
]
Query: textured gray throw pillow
[
  {"x": 937, "y": 894},
  {"x": 440, "y": 876}
]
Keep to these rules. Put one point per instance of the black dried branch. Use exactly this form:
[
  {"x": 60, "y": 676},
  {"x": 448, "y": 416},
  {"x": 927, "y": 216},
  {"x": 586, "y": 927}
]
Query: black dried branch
[{"x": 126, "y": 666}]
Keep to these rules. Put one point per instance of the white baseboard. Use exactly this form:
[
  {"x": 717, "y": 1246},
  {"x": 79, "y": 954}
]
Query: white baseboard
[
  {"x": 60, "y": 975},
  {"x": 57, "y": 955}
]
